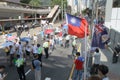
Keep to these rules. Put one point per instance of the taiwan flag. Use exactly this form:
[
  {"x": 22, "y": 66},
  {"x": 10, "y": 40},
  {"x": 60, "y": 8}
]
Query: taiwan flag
[{"x": 76, "y": 26}]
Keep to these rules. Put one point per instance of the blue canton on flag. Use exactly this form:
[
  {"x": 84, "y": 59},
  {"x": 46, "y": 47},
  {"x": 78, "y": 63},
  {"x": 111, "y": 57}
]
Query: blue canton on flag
[{"x": 75, "y": 21}]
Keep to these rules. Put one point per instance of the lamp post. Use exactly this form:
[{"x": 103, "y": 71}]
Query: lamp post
[{"x": 62, "y": 9}]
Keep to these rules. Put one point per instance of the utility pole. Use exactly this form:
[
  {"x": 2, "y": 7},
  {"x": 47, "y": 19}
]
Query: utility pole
[
  {"x": 62, "y": 9},
  {"x": 96, "y": 13}
]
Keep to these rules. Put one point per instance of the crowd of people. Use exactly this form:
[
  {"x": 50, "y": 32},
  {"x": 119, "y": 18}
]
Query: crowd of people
[{"x": 19, "y": 53}]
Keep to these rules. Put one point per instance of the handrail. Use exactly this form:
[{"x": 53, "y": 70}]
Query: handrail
[
  {"x": 6, "y": 20},
  {"x": 58, "y": 12},
  {"x": 52, "y": 12}
]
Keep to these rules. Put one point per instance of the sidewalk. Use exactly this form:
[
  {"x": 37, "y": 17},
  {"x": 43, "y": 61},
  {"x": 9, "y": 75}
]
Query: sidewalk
[{"x": 114, "y": 69}]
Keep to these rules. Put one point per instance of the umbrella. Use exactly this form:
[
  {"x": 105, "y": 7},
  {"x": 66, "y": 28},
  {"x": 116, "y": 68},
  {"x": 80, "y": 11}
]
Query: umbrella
[
  {"x": 7, "y": 44},
  {"x": 11, "y": 38},
  {"x": 9, "y": 35},
  {"x": 48, "y": 31},
  {"x": 65, "y": 27},
  {"x": 25, "y": 39}
]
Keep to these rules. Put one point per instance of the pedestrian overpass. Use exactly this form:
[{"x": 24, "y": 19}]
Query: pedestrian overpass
[{"x": 14, "y": 10}]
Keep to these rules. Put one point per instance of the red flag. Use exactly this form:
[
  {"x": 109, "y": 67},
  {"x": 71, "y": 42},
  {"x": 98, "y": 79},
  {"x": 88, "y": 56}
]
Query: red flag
[
  {"x": 48, "y": 31},
  {"x": 76, "y": 26}
]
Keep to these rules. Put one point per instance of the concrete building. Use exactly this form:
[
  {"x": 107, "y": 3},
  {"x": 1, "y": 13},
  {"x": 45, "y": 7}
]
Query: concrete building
[
  {"x": 76, "y": 5},
  {"x": 16, "y": 1},
  {"x": 112, "y": 21},
  {"x": 112, "y": 17}
]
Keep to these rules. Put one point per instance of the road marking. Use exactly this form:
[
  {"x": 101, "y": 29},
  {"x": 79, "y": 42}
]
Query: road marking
[
  {"x": 27, "y": 72},
  {"x": 71, "y": 73},
  {"x": 47, "y": 78}
]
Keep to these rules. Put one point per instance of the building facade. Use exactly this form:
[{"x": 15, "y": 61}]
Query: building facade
[{"x": 17, "y": 1}]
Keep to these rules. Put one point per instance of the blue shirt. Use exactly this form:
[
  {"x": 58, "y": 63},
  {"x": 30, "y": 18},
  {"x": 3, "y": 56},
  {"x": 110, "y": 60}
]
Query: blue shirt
[{"x": 37, "y": 64}]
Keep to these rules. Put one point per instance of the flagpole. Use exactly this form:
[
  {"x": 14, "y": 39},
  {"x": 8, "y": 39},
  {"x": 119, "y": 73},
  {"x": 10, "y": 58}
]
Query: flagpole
[
  {"x": 85, "y": 63},
  {"x": 66, "y": 18}
]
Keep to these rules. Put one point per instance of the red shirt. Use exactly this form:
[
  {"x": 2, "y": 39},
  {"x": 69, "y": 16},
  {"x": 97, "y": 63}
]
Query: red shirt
[{"x": 78, "y": 64}]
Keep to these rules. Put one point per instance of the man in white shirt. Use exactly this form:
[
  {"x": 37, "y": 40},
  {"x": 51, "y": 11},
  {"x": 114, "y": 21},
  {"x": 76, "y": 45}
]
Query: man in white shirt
[
  {"x": 12, "y": 52},
  {"x": 35, "y": 38},
  {"x": 20, "y": 50},
  {"x": 67, "y": 41},
  {"x": 34, "y": 49}
]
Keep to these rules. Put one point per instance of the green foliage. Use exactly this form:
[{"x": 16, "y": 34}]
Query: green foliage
[
  {"x": 25, "y": 1},
  {"x": 35, "y": 3},
  {"x": 58, "y": 2}
]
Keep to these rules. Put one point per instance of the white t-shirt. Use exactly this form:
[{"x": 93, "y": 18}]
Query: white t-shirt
[
  {"x": 35, "y": 50},
  {"x": 96, "y": 58},
  {"x": 29, "y": 35},
  {"x": 12, "y": 51},
  {"x": 20, "y": 49},
  {"x": 106, "y": 78},
  {"x": 28, "y": 48},
  {"x": 67, "y": 37},
  {"x": 35, "y": 38}
]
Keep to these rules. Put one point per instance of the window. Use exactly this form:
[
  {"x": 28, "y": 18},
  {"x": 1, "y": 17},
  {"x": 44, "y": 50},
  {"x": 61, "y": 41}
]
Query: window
[{"x": 116, "y": 3}]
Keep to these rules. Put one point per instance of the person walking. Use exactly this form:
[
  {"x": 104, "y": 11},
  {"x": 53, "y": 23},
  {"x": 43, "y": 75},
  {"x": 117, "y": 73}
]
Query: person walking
[
  {"x": 20, "y": 50},
  {"x": 46, "y": 48},
  {"x": 94, "y": 68},
  {"x": 79, "y": 61},
  {"x": 40, "y": 52},
  {"x": 67, "y": 40},
  {"x": 36, "y": 66},
  {"x": 7, "y": 51},
  {"x": 27, "y": 50},
  {"x": 35, "y": 38},
  {"x": 12, "y": 52},
  {"x": 74, "y": 46},
  {"x": 19, "y": 63},
  {"x": 34, "y": 49}
]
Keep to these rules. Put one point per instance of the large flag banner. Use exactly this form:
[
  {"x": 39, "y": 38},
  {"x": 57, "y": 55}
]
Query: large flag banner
[
  {"x": 100, "y": 37},
  {"x": 76, "y": 26}
]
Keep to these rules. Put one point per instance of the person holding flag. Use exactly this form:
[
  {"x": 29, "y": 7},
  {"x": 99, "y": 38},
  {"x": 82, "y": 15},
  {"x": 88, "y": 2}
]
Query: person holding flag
[
  {"x": 79, "y": 62},
  {"x": 79, "y": 27}
]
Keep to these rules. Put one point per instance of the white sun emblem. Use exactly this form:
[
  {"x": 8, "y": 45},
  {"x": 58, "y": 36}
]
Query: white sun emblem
[{"x": 73, "y": 20}]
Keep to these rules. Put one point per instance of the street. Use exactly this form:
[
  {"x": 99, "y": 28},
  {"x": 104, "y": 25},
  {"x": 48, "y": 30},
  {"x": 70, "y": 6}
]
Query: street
[{"x": 56, "y": 67}]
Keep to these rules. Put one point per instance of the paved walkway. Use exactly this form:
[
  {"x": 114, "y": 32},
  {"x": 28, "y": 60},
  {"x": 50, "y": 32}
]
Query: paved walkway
[{"x": 114, "y": 69}]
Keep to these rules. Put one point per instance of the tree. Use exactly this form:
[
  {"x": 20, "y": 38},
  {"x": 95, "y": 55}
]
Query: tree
[
  {"x": 35, "y": 3},
  {"x": 58, "y": 2},
  {"x": 25, "y": 1}
]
